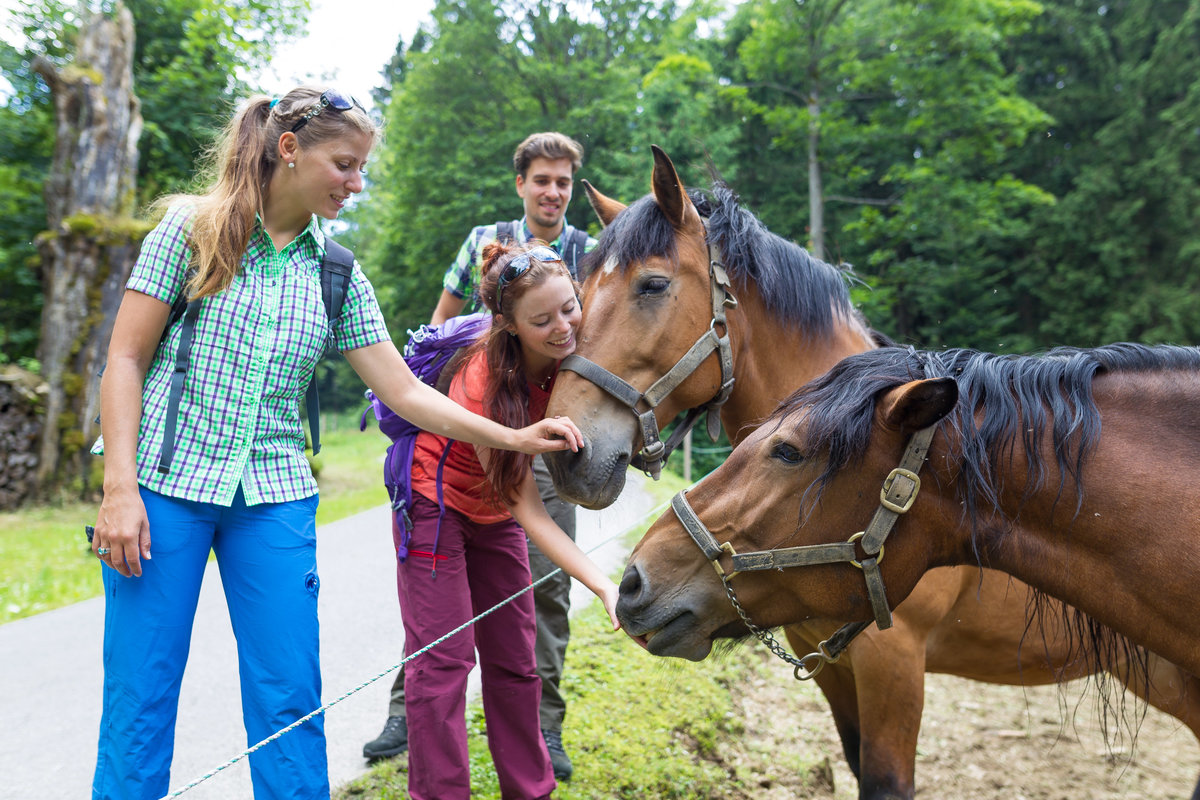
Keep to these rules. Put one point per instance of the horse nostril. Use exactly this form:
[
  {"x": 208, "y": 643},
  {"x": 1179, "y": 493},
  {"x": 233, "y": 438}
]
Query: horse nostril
[{"x": 631, "y": 583}]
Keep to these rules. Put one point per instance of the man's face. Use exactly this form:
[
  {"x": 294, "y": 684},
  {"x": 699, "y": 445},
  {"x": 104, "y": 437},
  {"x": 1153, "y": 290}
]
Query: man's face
[{"x": 546, "y": 189}]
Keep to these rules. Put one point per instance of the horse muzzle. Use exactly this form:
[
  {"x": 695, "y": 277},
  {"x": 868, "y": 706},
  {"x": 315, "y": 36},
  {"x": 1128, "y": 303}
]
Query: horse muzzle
[
  {"x": 666, "y": 624},
  {"x": 593, "y": 477}
]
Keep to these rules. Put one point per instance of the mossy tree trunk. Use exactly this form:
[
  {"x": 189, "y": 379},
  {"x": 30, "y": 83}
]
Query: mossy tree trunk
[{"x": 91, "y": 241}]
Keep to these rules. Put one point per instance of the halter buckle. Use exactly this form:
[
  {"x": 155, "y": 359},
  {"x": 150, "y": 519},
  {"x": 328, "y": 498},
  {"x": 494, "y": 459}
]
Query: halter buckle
[
  {"x": 726, "y": 547},
  {"x": 906, "y": 504}
]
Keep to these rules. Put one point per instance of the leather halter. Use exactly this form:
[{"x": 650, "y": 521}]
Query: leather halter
[
  {"x": 899, "y": 491},
  {"x": 654, "y": 451}
]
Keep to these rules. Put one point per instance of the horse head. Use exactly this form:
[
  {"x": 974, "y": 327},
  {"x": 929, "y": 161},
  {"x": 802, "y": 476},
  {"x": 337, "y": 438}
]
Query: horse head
[
  {"x": 647, "y": 300},
  {"x": 781, "y": 522}
]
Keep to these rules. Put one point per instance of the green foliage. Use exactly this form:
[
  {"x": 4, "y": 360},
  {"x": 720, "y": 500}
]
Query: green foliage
[
  {"x": 1118, "y": 256},
  {"x": 480, "y": 81},
  {"x": 188, "y": 56}
]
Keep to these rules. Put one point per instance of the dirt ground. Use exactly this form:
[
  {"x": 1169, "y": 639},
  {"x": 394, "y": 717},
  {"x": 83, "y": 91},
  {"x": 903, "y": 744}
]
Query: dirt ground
[{"x": 978, "y": 742}]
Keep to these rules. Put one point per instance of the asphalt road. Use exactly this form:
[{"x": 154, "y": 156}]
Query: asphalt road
[{"x": 50, "y": 667}]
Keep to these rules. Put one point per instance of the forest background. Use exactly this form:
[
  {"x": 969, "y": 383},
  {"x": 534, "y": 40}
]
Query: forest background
[{"x": 1006, "y": 175}]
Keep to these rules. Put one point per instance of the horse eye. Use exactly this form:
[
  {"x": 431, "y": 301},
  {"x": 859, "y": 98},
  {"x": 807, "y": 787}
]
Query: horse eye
[
  {"x": 655, "y": 285},
  {"x": 786, "y": 453}
]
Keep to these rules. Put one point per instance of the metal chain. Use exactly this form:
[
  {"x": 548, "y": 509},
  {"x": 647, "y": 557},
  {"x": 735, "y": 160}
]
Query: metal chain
[{"x": 802, "y": 671}]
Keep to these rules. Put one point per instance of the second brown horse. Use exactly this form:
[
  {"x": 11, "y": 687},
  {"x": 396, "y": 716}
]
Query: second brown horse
[{"x": 648, "y": 298}]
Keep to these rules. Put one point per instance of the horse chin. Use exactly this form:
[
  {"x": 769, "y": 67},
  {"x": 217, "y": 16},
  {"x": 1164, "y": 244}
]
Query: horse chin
[
  {"x": 592, "y": 478},
  {"x": 679, "y": 638}
]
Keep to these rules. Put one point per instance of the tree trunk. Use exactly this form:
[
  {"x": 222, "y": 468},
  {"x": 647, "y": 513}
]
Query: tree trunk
[
  {"x": 91, "y": 240},
  {"x": 816, "y": 190}
]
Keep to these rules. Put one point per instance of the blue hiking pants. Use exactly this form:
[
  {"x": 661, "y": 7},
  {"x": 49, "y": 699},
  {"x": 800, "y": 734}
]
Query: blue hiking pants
[{"x": 267, "y": 557}]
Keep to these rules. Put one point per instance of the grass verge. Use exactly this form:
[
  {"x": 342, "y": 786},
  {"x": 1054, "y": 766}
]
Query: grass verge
[{"x": 45, "y": 562}]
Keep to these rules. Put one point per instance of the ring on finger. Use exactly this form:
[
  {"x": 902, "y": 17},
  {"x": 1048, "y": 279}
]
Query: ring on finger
[{"x": 102, "y": 551}]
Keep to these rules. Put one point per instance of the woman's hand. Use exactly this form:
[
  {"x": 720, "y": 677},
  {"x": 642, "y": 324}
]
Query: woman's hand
[
  {"x": 123, "y": 529},
  {"x": 557, "y": 433},
  {"x": 608, "y": 594}
]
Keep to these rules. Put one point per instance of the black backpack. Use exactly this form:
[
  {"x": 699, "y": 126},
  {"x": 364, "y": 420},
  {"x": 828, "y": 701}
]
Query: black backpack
[
  {"x": 573, "y": 246},
  {"x": 336, "y": 269}
]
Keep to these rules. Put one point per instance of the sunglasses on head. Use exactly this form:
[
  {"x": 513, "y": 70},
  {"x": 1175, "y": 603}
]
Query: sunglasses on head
[
  {"x": 330, "y": 99},
  {"x": 519, "y": 266}
]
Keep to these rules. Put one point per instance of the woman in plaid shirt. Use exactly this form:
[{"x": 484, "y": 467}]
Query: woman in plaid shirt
[{"x": 240, "y": 484}]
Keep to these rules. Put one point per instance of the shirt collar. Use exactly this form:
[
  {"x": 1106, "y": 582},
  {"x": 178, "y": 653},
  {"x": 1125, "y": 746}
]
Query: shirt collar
[
  {"x": 311, "y": 231},
  {"x": 526, "y": 235}
]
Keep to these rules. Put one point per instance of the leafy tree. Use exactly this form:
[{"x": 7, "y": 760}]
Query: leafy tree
[
  {"x": 189, "y": 59},
  {"x": 485, "y": 76},
  {"x": 1118, "y": 256},
  {"x": 908, "y": 114}
]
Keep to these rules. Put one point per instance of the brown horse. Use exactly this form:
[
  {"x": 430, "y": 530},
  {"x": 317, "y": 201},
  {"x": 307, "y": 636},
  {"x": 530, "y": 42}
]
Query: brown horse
[
  {"x": 650, "y": 295},
  {"x": 881, "y": 465}
]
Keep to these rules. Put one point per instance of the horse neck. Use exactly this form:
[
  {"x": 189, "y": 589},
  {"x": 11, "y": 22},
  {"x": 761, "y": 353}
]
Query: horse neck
[
  {"x": 771, "y": 360},
  {"x": 1127, "y": 554}
]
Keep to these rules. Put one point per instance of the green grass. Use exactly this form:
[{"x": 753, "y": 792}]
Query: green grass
[{"x": 45, "y": 562}]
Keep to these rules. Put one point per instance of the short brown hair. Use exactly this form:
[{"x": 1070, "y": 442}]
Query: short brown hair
[{"x": 549, "y": 144}]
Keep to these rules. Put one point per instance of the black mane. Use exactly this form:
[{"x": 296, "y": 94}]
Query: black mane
[
  {"x": 1020, "y": 397},
  {"x": 798, "y": 289}
]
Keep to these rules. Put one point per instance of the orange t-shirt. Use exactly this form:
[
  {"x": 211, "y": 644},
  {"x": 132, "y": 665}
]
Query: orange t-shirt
[{"x": 463, "y": 478}]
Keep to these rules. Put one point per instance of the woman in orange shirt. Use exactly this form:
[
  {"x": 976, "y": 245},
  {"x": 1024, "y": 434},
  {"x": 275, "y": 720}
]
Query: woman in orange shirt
[{"x": 471, "y": 556}]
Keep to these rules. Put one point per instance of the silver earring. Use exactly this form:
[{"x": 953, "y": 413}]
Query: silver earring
[{"x": 291, "y": 165}]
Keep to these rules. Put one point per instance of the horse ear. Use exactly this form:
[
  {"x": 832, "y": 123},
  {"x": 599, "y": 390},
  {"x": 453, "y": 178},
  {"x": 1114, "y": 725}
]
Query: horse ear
[
  {"x": 605, "y": 207},
  {"x": 918, "y": 404},
  {"x": 668, "y": 190}
]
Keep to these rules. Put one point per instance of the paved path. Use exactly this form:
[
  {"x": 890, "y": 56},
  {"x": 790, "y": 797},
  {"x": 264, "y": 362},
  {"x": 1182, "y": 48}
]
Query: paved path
[{"x": 51, "y": 671}]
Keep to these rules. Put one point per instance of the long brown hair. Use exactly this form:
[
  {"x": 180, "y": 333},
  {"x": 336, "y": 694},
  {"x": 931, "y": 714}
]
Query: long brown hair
[
  {"x": 506, "y": 399},
  {"x": 239, "y": 166}
]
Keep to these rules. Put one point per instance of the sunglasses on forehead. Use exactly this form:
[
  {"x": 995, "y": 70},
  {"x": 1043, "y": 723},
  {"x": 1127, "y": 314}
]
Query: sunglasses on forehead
[
  {"x": 330, "y": 99},
  {"x": 519, "y": 266}
]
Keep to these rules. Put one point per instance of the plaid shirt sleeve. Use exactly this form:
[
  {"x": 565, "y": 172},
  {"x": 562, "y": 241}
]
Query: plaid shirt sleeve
[
  {"x": 361, "y": 322},
  {"x": 162, "y": 261},
  {"x": 463, "y": 276}
]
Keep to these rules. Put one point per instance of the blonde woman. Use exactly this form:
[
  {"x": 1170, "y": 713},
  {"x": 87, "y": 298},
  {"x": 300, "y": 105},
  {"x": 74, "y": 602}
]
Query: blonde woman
[{"x": 238, "y": 482}]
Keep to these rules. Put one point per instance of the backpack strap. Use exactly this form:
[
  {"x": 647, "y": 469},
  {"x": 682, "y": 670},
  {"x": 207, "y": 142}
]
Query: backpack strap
[
  {"x": 506, "y": 232},
  {"x": 167, "y": 453},
  {"x": 336, "y": 269},
  {"x": 574, "y": 247}
]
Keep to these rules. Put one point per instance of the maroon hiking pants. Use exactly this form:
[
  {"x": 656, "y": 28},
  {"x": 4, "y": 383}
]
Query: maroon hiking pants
[{"x": 477, "y": 566}]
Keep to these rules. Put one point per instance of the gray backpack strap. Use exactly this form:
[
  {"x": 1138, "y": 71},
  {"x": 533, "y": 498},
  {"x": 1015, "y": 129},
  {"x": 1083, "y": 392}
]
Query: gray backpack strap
[
  {"x": 336, "y": 270},
  {"x": 574, "y": 247},
  {"x": 167, "y": 453}
]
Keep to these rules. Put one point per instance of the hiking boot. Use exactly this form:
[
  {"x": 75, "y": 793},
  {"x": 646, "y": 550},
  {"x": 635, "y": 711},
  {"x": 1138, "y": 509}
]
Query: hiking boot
[
  {"x": 392, "y": 742},
  {"x": 558, "y": 757}
]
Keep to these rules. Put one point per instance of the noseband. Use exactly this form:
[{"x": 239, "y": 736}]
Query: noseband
[
  {"x": 899, "y": 490},
  {"x": 654, "y": 451}
]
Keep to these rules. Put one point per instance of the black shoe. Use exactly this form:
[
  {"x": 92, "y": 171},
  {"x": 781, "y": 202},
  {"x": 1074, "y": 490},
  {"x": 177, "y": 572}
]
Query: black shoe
[
  {"x": 392, "y": 742},
  {"x": 558, "y": 757}
]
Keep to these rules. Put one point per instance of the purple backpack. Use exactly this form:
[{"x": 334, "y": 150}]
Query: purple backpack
[{"x": 427, "y": 352}]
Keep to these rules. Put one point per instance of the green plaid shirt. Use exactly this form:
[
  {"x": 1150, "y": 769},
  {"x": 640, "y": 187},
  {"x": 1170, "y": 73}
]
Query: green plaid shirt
[
  {"x": 462, "y": 279},
  {"x": 255, "y": 348}
]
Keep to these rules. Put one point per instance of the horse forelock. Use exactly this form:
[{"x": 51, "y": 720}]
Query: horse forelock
[
  {"x": 796, "y": 288},
  {"x": 1005, "y": 402}
]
